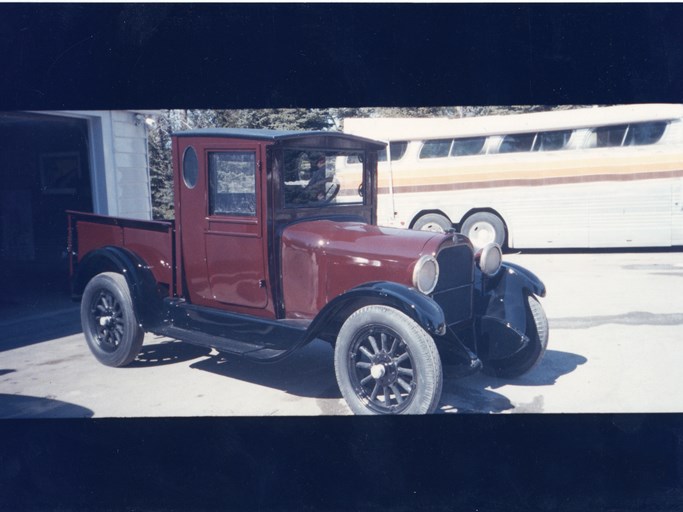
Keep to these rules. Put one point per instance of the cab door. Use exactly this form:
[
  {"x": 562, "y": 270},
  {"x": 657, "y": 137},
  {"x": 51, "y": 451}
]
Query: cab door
[
  {"x": 223, "y": 237},
  {"x": 234, "y": 237}
]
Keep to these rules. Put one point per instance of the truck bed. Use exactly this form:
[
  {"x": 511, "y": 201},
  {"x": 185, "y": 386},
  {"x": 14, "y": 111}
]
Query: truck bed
[{"x": 153, "y": 241}]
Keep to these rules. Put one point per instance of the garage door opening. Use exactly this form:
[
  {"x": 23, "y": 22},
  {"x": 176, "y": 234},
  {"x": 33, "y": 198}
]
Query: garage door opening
[{"x": 44, "y": 171}]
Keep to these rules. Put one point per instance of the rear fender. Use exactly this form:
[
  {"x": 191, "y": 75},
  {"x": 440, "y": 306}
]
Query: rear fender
[
  {"x": 147, "y": 299},
  {"x": 419, "y": 307},
  {"x": 501, "y": 310}
]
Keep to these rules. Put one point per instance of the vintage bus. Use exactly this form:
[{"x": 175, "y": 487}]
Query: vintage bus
[{"x": 587, "y": 177}]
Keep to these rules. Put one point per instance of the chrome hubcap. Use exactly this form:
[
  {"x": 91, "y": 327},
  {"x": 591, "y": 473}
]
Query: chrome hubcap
[{"x": 377, "y": 371}]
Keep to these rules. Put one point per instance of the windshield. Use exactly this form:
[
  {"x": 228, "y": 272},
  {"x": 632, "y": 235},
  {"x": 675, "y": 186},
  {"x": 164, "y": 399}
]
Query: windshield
[{"x": 315, "y": 178}]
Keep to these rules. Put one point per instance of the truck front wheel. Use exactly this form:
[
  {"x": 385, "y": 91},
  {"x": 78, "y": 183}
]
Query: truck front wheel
[
  {"x": 110, "y": 325},
  {"x": 387, "y": 364}
]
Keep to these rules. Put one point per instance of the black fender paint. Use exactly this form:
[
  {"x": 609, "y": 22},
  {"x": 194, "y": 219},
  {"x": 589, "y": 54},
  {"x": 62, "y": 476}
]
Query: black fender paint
[
  {"x": 417, "y": 306},
  {"x": 147, "y": 300},
  {"x": 501, "y": 310}
]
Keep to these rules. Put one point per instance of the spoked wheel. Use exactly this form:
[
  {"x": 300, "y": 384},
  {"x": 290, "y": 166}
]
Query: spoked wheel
[
  {"x": 387, "y": 364},
  {"x": 109, "y": 322}
]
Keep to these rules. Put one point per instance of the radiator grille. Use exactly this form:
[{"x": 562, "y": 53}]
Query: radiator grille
[{"x": 453, "y": 292}]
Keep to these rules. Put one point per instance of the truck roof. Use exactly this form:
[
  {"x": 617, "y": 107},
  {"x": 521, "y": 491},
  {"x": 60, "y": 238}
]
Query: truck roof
[{"x": 276, "y": 135}]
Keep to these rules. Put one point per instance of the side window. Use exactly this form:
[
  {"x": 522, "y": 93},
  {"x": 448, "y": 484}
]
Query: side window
[
  {"x": 467, "y": 146},
  {"x": 232, "y": 183},
  {"x": 517, "y": 142},
  {"x": 397, "y": 148},
  {"x": 641, "y": 134},
  {"x": 608, "y": 136},
  {"x": 435, "y": 148},
  {"x": 552, "y": 141},
  {"x": 190, "y": 167}
]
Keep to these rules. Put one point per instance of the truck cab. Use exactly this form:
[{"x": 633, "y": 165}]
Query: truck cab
[
  {"x": 275, "y": 244},
  {"x": 236, "y": 191}
]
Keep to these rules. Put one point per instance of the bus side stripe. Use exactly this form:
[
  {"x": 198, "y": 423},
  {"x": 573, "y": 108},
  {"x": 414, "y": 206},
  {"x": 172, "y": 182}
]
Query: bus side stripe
[{"x": 561, "y": 180}]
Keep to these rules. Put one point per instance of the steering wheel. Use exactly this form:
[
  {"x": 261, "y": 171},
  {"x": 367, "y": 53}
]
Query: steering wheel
[
  {"x": 323, "y": 191},
  {"x": 331, "y": 190}
]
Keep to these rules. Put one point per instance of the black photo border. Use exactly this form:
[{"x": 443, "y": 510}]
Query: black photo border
[{"x": 150, "y": 56}]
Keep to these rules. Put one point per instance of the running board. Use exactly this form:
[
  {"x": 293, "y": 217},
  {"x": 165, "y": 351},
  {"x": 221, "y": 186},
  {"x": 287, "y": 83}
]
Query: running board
[
  {"x": 253, "y": 337},
  {"x": 230, "y": 346}
]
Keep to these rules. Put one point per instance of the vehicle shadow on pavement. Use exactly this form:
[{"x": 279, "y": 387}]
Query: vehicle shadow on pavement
[
  {"x": 475, "y": 394},
  {"x": 18, "y": 406},
  {"x": 307, "y": 373},
  {"x": 45, "y": 326},
  {"x": 167, "y": 352},
  {"x": 554, "y": 365}
]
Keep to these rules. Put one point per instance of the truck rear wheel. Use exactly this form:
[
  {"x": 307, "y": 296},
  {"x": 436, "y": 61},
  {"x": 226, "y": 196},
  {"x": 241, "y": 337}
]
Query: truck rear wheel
[
  {"x": 110, "y": 325},
  {"x": 387, "y": 364}
]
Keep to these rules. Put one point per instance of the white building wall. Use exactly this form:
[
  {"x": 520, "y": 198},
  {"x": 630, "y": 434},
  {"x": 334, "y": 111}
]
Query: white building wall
[{"x": 129, "y": 142}]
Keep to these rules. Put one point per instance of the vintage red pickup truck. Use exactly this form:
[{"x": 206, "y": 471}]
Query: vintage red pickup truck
[{"x": 275, "y": 244}]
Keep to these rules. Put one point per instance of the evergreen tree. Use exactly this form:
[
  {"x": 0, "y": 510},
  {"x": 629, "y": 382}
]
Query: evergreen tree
[{"x": 160, "y": 168}]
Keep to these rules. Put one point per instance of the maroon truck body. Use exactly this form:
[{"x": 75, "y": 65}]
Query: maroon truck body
[
  {"x": 272, "y": 247},
  {"x": 221, "y": 261},
  {"x": 151, "y": 240}
]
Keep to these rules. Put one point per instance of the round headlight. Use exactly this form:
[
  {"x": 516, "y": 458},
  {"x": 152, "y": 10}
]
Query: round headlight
[
  {"x": 426, "y": 274},
  {"x": 490, "y": 259}
]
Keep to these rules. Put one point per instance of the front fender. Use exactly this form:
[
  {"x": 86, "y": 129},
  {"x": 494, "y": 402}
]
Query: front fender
[
  {"x": 421, "y": 308},
  {"x": 525, "y": 278},
  {"x": 501, "y": 310}
]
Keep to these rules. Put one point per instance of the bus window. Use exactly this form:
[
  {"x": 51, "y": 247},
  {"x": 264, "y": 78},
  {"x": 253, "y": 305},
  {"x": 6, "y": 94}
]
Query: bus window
[
  {"x": 608, "y": 136},
  {"x": 468, "y": 146},
  {"x": 552, "y": 141},
  {"x": 435, "y": 148},
  {"x": 517, "y": 142},
  {"x": 640, "y": 134},
  {"x": 398, "y": 149}
]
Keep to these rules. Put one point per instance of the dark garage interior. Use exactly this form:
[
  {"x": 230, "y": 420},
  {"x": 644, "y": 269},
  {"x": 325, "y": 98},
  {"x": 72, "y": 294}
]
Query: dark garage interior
[{"x": 44, "y": 171}]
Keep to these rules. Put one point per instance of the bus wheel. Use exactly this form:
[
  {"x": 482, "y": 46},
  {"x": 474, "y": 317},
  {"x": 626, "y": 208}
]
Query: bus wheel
[
  {"x": 483, "y": 228},
  {"x": 433, "y": 222}
]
